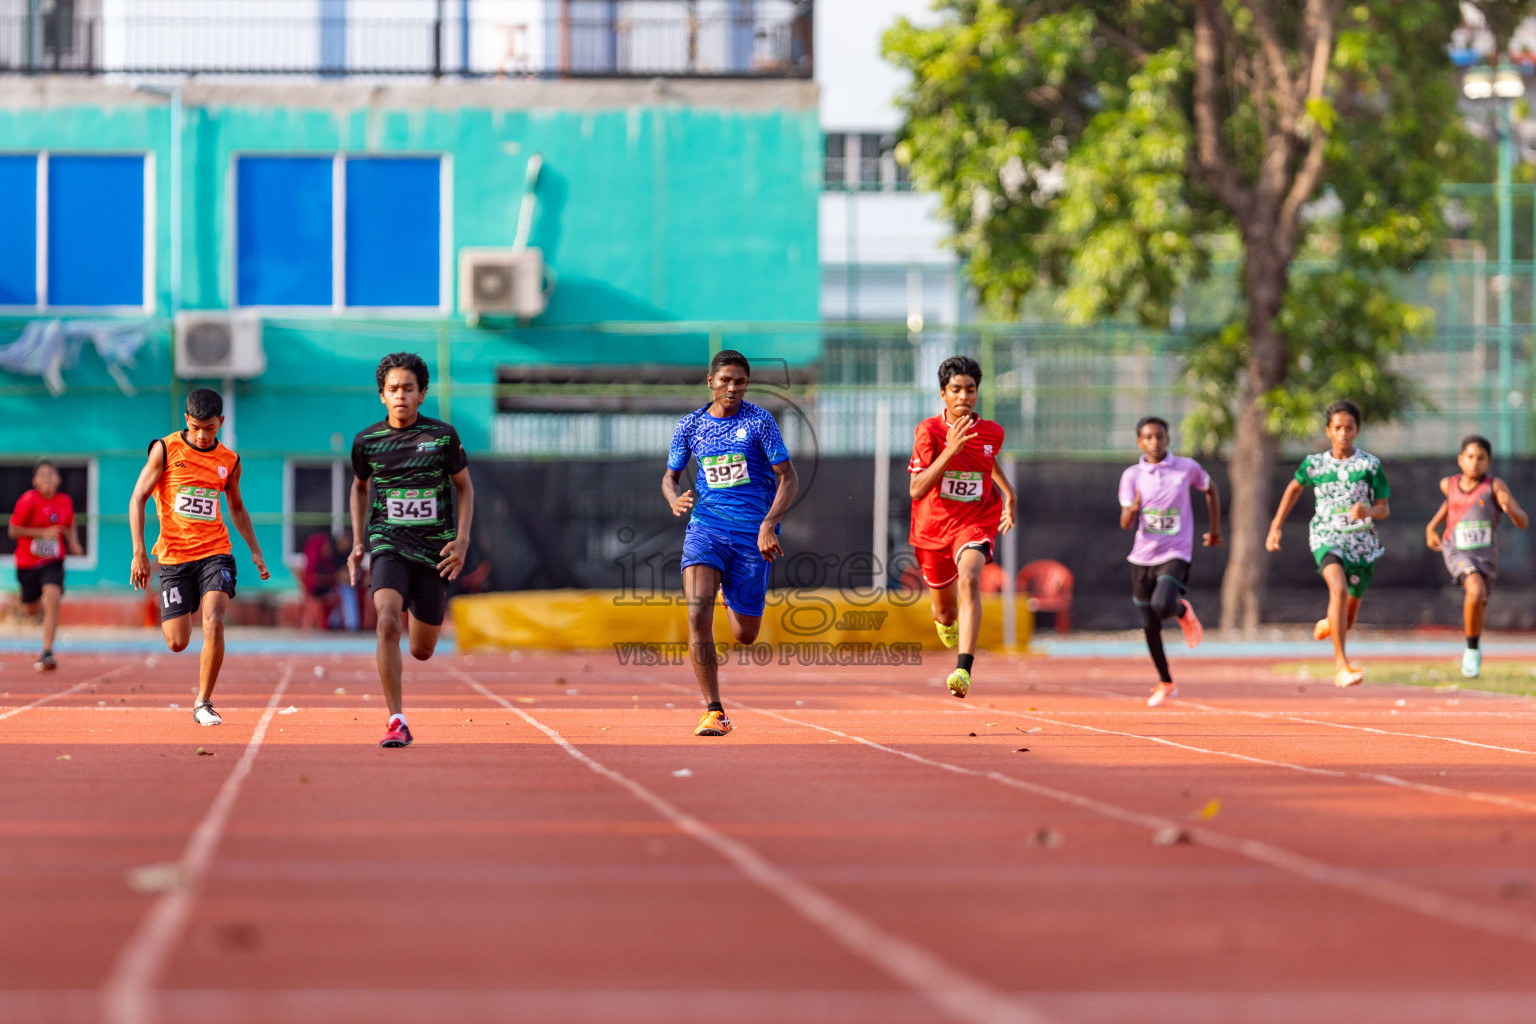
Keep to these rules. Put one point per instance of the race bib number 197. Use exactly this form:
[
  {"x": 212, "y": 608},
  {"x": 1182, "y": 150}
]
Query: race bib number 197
[
  {"x": 410, "y": 506},
  {"x": 1473, "y": 533},
  {"x": 200, "y": 504},
  {"x": 961, "y": 485},
  {"x": 729, "y": 470}
]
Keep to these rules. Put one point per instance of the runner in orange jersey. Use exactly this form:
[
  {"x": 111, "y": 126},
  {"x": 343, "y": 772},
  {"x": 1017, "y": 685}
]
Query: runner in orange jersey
[{"x": 186, "y": 472}]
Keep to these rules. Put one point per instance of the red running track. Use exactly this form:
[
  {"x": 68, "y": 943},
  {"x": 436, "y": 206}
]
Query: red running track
[{"x": 557, "y": 847}]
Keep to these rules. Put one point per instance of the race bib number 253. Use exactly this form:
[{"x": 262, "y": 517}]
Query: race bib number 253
[{"x": 200, "y": 504}]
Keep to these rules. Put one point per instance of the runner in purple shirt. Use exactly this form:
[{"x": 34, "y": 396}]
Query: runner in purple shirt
[{"x": 1154, "y": 496}]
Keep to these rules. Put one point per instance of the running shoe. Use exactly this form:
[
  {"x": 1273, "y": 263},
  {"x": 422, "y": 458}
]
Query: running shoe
[
  {"x": 1193, "y": 631},
  {"x": 1322, "y": 631},
  {"x": 959, "y": 682},
  {"x": 1162, "y": 693},
  {"x": 45, "y": 662},
  {"x": 1349, "y": 675},
  {"x": 203, "y": 714},
  {"x": 948, "y": 635},
  {"x": 1471, "y": 663},
  {"x": 399, "y": 735},
  {"x": 714, "y": 723}
]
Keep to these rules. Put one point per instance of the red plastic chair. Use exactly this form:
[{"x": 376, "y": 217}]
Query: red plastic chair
[
  {"x": 992, "y": 578},
  {"x": 1048, "y": 585}
]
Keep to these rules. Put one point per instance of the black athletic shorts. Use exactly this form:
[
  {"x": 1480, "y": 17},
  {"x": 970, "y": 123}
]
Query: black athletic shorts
[
  {"x": 425, "y": 592},
  {"x": 182, "y": 586},
  {"x": 32, "y": 579},
  {"x": 1144, "y": 577}
]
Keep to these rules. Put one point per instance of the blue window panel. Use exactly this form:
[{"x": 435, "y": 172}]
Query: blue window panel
[
  {"x": 18, "y": 226},
  {"x": 394, "y": 231},
  {"x": 283, "y": 231},
  {"x": 96, "y": 230}
]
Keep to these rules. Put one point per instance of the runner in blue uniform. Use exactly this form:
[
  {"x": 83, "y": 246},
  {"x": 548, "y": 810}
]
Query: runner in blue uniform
[{"x": 745, "y": 485}]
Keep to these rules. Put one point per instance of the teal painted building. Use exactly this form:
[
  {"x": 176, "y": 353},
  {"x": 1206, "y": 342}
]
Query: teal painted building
[{"x": 335, "y": 212}]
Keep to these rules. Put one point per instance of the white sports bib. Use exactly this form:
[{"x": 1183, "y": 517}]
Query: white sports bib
[
  {"x": 1471, "y": 534},
  {"x": 200, "y": 504},
  {"x": 722, "y": 471},
  {"x": 1164, "y": 521},
  {"x": 45, "y": 547},
  {"x": 410, "y": 506},
  {"x": 961, "y": 485}
]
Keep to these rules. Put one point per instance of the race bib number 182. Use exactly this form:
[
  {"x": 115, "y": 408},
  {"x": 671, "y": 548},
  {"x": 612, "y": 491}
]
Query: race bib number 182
[
  {"x": 197, "y": 503},
  {"x": 729, "y": 470},
  {"x": 960, "y": 485},
  {"x": 410, "y": 506}
]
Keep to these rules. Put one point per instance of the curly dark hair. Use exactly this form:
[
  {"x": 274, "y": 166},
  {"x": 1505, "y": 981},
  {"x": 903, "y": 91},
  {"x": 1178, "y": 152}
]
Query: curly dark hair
[
  {"x": 205, "y": 404},
  {"x": 1342, "y": 405},
  {"x": 402, "y": 361},
  {"x": 729, "y": 357},
  {"x": 959, "y": 366}
]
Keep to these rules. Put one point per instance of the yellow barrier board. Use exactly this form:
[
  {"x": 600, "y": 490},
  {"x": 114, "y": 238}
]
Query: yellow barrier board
[{"x": 567, "y": 620}]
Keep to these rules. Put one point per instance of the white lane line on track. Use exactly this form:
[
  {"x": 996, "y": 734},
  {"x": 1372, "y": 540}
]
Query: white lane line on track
[
  {"x": 961, "y": 996},
  {"x": 1513, "y": 803},
  {"x": 1425, "y": 902},
  {"x": 62, "y": 693},
  {"x": 1280, "y": 716},
  {"x": 128, "y": 996}
]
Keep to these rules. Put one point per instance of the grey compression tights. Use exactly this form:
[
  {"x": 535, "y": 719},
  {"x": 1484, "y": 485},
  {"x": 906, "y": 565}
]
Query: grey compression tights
[{"x": 1164, "y": 605}]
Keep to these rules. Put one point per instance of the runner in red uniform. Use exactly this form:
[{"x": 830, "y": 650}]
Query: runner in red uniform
[
  {"x": 960, "y": 503},
  {"x": 41, "y": 525}
]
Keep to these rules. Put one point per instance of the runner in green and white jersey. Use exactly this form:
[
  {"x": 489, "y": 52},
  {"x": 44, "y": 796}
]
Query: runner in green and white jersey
[{"x": 1351, "y": 493}]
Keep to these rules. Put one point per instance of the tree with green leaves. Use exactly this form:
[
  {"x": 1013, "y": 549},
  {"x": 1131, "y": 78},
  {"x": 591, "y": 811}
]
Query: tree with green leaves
[{"x": 1105, "y": 150}]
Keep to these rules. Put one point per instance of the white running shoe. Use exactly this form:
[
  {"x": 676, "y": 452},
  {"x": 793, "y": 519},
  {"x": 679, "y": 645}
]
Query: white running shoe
[
  {"x": 1161, "y": 693},
  {"x": 203, "y": 714},
  {"x": 1471, "y": 663}
]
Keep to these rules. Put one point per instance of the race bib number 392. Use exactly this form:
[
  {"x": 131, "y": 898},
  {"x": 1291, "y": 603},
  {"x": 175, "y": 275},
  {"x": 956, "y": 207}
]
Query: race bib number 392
[
  {"x": 729, "y": 470},
  {"x": 410, "y": 506},
  {"x": 1473, "y": 533},
  {"x": 200, "y": 504},
  {"x": 961, "y": 485}
]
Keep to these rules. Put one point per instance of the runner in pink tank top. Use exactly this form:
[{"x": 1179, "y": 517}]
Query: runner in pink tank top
[{"x": 1469, "y": 544}]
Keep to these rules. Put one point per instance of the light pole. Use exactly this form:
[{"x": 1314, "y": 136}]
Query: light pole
[{"x": 1503, "y": 87}]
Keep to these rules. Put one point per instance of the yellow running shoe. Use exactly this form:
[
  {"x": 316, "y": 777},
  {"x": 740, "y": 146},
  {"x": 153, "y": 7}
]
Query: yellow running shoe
[
  {"x": 959, "y": 682},
  {"x": 714, "y": 723},
  {"x": 948, "y": 635}
]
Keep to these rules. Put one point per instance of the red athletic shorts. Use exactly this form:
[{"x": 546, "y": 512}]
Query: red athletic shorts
[{"x": 938, "y": 564}]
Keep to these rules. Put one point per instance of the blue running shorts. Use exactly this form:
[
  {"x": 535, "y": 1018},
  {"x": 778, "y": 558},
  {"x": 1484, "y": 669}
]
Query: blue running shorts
[{"x": 743, "y": 569}]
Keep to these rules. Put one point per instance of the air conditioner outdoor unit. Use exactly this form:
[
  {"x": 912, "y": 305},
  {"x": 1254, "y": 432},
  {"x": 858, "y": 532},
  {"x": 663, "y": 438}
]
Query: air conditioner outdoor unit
[
  {"x": 505, "y": 282},
  {"x": 219, "y": 344}
]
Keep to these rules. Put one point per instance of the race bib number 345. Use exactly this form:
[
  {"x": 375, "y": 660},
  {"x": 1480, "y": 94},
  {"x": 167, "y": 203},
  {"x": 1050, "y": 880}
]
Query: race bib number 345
[
  {"x": 961, "y": 485},
  {"x": 729, "y": 470},
  {"x": 410, "y": 506},
  {"x": 200, "y": 504}
]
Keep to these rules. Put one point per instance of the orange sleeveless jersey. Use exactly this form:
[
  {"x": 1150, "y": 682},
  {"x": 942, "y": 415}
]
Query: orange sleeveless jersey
[{"x": 187, "y": 501}]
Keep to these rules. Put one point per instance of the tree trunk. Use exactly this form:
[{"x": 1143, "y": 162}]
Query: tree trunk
[{"x": 1253, "y": 452}]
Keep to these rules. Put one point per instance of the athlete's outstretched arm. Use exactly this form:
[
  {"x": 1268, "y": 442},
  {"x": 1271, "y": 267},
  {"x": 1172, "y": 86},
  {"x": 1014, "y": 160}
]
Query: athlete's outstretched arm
[
  {"x": 1508, "y": 503},
  {"x": 456, "y": 550},
  {"x": 241, "y": 517},
  {"x": 789, "y": 486},
  {"x": 1213, "y": 506},
  {"x": 1010, "y": 500},
  {"x": 359, "y": 505},
  {"x": 678, "y": 503},
  {"x": 1287, "y": 502},
  {"x": 1433, "y": 530},
  {"x": 149, "y": 476}
]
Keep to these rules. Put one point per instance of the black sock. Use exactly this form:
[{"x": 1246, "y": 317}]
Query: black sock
[
  {"x": 715, "y": 705},
  {"x": 1473, "y": 641},
  {"x": 965, "y": 661}
]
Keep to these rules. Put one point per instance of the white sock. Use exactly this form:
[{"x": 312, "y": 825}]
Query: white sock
[{"x": 396, "y": 718}]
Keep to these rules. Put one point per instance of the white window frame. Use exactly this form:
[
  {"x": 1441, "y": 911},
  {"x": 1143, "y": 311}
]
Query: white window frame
[
  {"x": 338, "y": 305},
  {"x": 149, "y": 227},
  {"x": 341, "y": 513},
  {"x": 89, "y": 518}
]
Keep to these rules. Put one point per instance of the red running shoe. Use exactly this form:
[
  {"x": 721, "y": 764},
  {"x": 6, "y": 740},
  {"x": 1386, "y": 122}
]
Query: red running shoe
[
  {"x": 399, "y": 735},
  {"x": 1193, "y": 631}
]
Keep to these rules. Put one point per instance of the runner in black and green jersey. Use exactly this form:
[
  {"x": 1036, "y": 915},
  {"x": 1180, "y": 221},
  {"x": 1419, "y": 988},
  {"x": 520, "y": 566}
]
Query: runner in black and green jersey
[{"x": 416, "y": 530}]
